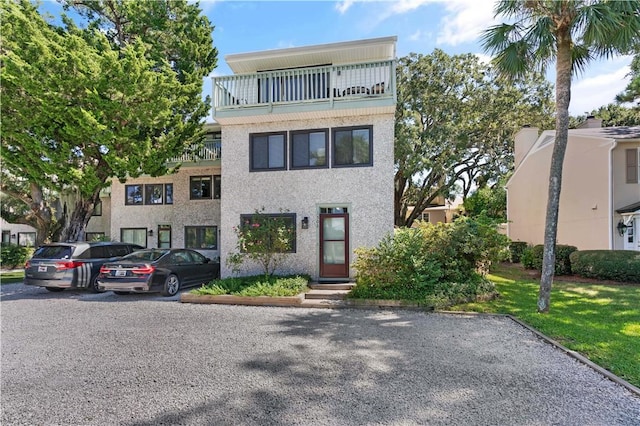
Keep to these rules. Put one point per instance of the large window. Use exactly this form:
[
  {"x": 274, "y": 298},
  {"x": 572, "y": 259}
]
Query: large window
[
  {"x": 201, "y": 237},
  {"x": 134, "y": 236},
  {"x": 200, "y": 187},
  {"x": 133, "y": 195},
  {"x": 309, "y": 149},
  {"x": 270, "y": 226},
  {"x": 94, "y": 236},
  {"x": 352, "y": 146},
  {"x": 150, "y": 194},
  {"x": 97, "y": 209},
  {"x": 153, "y": 194},
  {"x": 267, "y": 151},
  {"x": 27, "y": 239}
]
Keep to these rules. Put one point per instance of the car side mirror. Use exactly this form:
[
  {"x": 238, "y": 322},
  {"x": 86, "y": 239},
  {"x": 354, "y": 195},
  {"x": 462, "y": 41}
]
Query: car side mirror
[{"x": 207, "y": 260}]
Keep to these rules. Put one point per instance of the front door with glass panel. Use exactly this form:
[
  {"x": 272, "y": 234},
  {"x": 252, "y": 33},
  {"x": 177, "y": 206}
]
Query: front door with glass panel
[
  {"x": 334, "y": 243},
  {"x": 631, "y": 236}
]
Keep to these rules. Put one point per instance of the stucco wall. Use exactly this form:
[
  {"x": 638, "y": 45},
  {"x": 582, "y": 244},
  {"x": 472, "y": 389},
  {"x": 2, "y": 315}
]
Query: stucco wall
[
  {"x": 584, "y": 201},
  {"x": 102, "y": 223},
  {"x": 183, "y": 212},
  {"x": 624, "y": 194},
  {"x": 366, "y": 191}
]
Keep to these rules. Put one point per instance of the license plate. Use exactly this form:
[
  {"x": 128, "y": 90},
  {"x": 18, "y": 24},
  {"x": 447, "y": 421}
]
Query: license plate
[
  {"x": 42, "y": 269},
  {"x": 121, "y": 273}
]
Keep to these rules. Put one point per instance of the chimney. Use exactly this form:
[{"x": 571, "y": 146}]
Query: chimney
[
  {"x": 524, "y": 140},
  {"x": 591, "y": 123}
]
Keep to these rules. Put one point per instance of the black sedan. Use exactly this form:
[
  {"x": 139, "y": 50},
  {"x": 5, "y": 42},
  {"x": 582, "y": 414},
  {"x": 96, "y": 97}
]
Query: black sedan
[{"x": 157, "y": 270}]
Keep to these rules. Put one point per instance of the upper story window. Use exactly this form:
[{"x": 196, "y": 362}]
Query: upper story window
[
  {"x": 267, "y": 151},
  {"x": 352, "y": 146},
  {"x": 150, "y": 194},
  {"x": 309, "y": 149},
  {"x": 204, "y": 187},
  {"x": 97, "y": 209},
  {"x": 632, "y": 165}
]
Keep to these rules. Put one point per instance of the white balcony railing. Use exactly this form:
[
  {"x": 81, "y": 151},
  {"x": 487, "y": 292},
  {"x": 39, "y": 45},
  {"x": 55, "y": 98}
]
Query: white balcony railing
[
  {"x": 210, "y": 151},
  {"x": 375, "y": 79}
]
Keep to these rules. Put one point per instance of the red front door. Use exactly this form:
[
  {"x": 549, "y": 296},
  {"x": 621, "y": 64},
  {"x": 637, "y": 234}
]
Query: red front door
[{"x": 334, "y": 245}]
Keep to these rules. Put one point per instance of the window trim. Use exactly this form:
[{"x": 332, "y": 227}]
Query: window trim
[
  {"x": 284, "y": 151},
  {"x": 164, "y": 228},
  {"x": 632, "y": 165},
  {"x": 166, "y": 193},
  {"x": 351, "y": 128},
  {"x": 215, "y": 232},
  {"x": 147, "y": 194},
  {"x": 292, "y": 216},
  {"x": 200, "y": 177},
  {"x": 32, "y": 238},
  {"x": 292, "y": 135}
]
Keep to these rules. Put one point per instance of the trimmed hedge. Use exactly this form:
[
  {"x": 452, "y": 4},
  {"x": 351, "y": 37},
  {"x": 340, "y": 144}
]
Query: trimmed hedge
[
  {"x": 12, "y": 255},
  {"x": 516, "y": 248},
  {"x": 532, "y": 258},
  {"x": 615, "y": 265}
]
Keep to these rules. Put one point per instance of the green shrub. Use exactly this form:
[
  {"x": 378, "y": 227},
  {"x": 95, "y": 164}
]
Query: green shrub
[
  {"x": 532, "y": 258},
  {"x": 433, "y": 264},
  {"x": 257, "y": 285},
  {"x": 616, "y": 265},
  {"x": 13, "y": 255},
  {"x": 516, "y": 249}
]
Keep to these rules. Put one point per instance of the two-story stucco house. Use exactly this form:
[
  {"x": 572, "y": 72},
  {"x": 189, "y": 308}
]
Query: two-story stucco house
[
  {"x": 307, "y": 134},
  {"x": 600, "y": 196}
]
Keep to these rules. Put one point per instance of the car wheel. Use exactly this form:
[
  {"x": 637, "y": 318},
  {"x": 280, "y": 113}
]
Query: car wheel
[
  {"x": 93, "y": 286},
  {"x": 121, "y": 293},
  {"x": 55, "y": 289},
  {"x": 171, "y": 286}
]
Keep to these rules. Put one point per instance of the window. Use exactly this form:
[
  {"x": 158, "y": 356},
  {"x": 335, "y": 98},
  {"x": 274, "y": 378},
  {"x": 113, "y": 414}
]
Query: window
[
  {"x": 352, "y": 146},
  {"x": 27, "y": 239},
  {"x": 632, "y": 165},
  {"x": 201, "y": 237},
  {"x": 334, "y": 210},
  {"x": 94, "y": 236},
  {"x": 153, "y": 194},
  {"x": 97, "y": 209},
  {"x": 168, "y": 193},
  {"x": 424, "y": 217},
  {"x": 133, "y": 195},
  {"x": 6, "y": 236},
  {"x": 200, "y": 187},
  {"x": 134, "y": 236},
  {"x": 309, "y": 148},
  {"x": 285, "y": 223},
  {"x": 267, "y": 152},
  {"x": 164, "y": 236},
  {"x": 217, "y": 183}
]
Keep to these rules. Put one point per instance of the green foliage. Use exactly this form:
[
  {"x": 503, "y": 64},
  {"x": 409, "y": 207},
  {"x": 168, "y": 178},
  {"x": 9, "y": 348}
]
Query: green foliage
[
  {"x": 265, "y": 239},
  {"x": 455, "y": 122},
  {"x": 616, "y": 265},
  {"x": 516, "y": 250},
  {"x": 108, "y": 100},
  {"x": 532, "y": 258},
  {"x": 433, "y": 264},
  {"x": 611, "y": 115},
  {"x": 259, "y": 285},
  {"x": 602, "y": 322},
  {"x": 12, "y": 255},
  {"x": 632, "y": 91},
  {"x": 491, "y": 201}
]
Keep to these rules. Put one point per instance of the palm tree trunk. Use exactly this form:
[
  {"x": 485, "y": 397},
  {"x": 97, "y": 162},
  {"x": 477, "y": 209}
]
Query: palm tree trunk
[{"x": 563, "y": 97}]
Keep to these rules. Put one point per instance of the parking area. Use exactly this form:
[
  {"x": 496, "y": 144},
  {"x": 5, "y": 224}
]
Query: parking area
[{"x": 76, "y": 358}]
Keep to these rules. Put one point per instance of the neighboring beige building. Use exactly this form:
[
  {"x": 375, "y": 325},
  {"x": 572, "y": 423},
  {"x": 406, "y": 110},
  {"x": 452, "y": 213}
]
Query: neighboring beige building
[
  {"x": 16, "y": 233},
  {"x": 308, "y": 134},
  {"x": 440, "y": 211},
  {"x": 600, "y": 195}
]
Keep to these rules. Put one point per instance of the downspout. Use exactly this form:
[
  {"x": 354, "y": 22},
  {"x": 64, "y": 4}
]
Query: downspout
[{"x": 611, "y": 233}]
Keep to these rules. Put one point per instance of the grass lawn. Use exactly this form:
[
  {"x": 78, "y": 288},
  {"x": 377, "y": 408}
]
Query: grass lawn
[
  {"x": 12, "y": 277},
  {"x": 600, "y": 321}
]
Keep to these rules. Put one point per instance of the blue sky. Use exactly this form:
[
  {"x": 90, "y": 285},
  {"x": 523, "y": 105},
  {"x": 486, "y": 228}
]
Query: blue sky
[{"x": 420, "y": 25}]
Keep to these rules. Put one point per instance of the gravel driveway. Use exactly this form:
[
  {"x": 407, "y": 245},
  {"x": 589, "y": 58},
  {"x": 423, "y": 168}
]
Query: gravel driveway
[{"x": 74, "y": 358}]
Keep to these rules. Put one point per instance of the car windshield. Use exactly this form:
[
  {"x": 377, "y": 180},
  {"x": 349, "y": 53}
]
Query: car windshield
[
  {"x": 53, "y": 252},
  {"x": 146, "y": 255}
]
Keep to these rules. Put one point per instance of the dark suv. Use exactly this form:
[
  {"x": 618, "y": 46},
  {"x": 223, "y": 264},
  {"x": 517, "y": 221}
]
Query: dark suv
[{"x": 58, "y": 266}]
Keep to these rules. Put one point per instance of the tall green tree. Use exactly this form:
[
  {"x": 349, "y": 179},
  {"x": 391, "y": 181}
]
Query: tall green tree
[
  {"x": 611, "y": 115},
  {"x": 571, "y": 33},
  {"x": 455, "y": 123},
  {"x": 114, "y": 99}
]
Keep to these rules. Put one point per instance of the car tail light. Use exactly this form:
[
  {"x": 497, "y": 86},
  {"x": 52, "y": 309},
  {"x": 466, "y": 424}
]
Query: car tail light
[
  {"x": 67, "y": 264},
  {"x": 104, "y": 270},
  {"x": 146, "y": 269},
  {"x": 27, "y": 265}
]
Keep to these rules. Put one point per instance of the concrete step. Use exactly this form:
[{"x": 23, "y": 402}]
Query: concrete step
[
  {"x": 332, "y": 286},
  {"x": 326, "y": 294}
]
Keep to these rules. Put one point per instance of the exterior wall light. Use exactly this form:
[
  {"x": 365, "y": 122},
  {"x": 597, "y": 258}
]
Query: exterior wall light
[
  {"x": 622, "y": 228},
  {"x": 305, "y": 222},
  {"x": 150, "y": 233}
]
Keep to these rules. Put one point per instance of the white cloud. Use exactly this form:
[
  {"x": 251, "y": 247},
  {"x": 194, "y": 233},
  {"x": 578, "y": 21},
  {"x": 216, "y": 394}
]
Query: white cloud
[
  {"x": 592, "y": 92},
  {"x": 485, "y": 59},
  {"x": 465, "y": 20},
  {"x": 343, "y": 6}
]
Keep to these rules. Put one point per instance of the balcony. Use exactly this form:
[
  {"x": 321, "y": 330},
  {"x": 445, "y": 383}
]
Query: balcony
[
  {"x": 209, "y": 153},
  {"x": 305, "y": 93}
]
